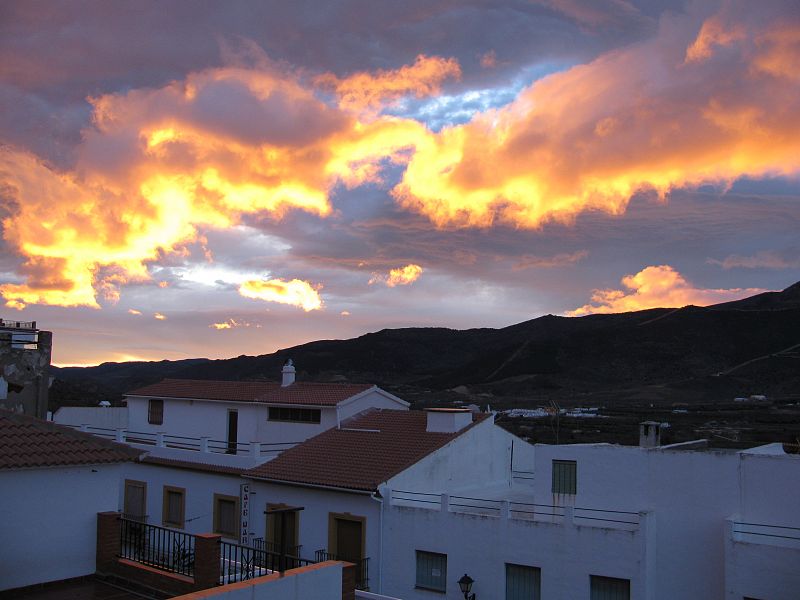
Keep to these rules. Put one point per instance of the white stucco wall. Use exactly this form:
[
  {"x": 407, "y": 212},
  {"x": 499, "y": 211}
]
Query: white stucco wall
[
  {"x": 318, "y": 504},
  {"x": 206, "y": 418},
  {"x": 48, "y": 521},
  {"x": 479, "y": 458},
  {"x": 199, "y": 498},
  {"x": 374, "y": 398},
  {"x": 111, "y": 417},
  {"x": 759, "y": 569},
  {"x": 481, "y": 546}
]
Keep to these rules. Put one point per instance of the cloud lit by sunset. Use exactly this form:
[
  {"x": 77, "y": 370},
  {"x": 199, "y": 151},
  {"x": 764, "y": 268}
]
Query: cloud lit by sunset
[
  {"x": 400, "y": 276},
  {"x": 295, "y": 292},
  {"x": 656, "y": 287},
  {"x": 523, "y": 167}
]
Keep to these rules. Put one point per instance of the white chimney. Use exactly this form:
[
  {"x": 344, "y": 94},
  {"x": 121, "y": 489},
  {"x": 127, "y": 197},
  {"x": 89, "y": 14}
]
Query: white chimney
[
  {"x": 288, "y": 374},
  {"x": 447, "y": 420},
  {"x": 649, "y": 434}
]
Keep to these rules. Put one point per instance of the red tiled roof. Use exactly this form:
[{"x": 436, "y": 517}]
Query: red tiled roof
[
  {"x": 369, "y": 449},
  {"x": 315, "y": 394},
  {"x": 27, "y": 442},
  {"x": 191, "y": 465}
]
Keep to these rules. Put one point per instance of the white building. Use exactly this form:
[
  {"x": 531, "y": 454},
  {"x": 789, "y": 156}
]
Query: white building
[
  {"x": 53, "y": 482},
  {"x": 419, "y": 499}
]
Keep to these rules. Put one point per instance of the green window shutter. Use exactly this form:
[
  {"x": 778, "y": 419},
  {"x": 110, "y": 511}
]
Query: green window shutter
[
  {"x": 565, "y": 477},
  {"x": 523, "y": 583}
]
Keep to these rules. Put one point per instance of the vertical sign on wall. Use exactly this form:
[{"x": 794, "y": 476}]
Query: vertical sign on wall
[{"x": 244, "y": 502}]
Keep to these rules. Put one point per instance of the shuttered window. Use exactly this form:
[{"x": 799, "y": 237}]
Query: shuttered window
[
  {"x": 155, "y": 412},
  {"x": 523, "y": 583},
  {"x": 610, "y": 588},
  {"x": 565, "y": 477},
  {"x": 226, "y": 515},
  {"x": 135, "y": 500},
  {"x": 432, "y": 571},
  {"x": 174, "y": 502},
  {"x": 294, "y": 415}
]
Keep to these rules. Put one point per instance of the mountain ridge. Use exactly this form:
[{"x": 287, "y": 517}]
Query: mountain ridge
[{"x": 660, "y": 353}]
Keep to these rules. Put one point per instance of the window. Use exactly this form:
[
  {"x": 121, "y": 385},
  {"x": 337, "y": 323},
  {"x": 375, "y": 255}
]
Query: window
[
  {"x": 522, "y": 583},
  {"x": 565, "y": 477},
  {"x": 135, "y": 502},
  {"x": 294, "y": 415},
  {"x": 432, "y": 571},
  {"x": 226, "y": 515},
  {"x": 174, "y": 504},
  {"x": 609, "y": 588},
  {"x": 155, "y": 412}
]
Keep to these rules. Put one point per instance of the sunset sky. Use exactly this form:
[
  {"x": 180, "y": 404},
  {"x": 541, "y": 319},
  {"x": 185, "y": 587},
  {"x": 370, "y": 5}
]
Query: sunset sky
[{"x": 187, "y": 179}]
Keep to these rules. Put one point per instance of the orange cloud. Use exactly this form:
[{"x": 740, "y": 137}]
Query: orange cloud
[
  {"x": 713, "y": 33},
  {"x": 637, "y": 119},
  {"x": 159, "y": 317},
  {"x": 657, "y": 287},
  {"x": 400, "y": 276},
  {"x": 160, "y": 166},
  {"x": 295, "y": 292},
  {"x": 133, "y": 311},
  {"x": 363, "y": 90}
]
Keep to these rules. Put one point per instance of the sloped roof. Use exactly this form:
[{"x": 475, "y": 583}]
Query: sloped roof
[
  {"x": 267, "y": 392},
  {"x": 27, "y": 442},
  {"x": 369, "y": 449}
]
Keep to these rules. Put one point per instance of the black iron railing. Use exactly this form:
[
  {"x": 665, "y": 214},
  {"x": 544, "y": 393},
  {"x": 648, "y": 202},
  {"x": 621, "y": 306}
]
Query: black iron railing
[
  {"x": 267, "y": 546},
  {"x": 239, "y": 563},
  {"x": 158, "y": 547},
  {"x": 362, "y": 567}
]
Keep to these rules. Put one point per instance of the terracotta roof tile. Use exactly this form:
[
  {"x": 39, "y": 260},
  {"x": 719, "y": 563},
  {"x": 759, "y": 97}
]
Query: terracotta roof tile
[
  {"x": 369, "y": 449},
  {"x": 27, "y": 442},
  {"x": 315, "y": 394}
]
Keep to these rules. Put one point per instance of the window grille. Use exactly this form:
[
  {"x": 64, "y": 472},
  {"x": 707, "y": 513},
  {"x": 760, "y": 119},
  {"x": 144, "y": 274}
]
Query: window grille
[
  {"x": 565, "y": 477},
  {"x": 155, "y": 412},
  {"x": 523, "y": 583},
  {"x": 431, "y": 571}
]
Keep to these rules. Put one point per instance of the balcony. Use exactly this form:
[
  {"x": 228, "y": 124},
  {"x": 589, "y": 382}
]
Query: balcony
[
  {"x": 518, "y": 510},
  {"x": 193, "y": 449}
]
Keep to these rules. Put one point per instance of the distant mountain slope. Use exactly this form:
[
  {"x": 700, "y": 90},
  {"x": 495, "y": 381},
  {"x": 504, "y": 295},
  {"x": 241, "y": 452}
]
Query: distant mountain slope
[{"x": 658, "y": 353}]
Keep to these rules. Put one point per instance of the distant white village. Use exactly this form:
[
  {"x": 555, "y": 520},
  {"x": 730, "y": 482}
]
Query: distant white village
[{"x": 295, "y": 489}]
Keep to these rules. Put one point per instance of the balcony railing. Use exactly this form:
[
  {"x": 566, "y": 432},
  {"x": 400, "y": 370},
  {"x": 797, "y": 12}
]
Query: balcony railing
[
  {"x": 524, "y": 511},
  {"x": 256, "y": 450},
  {"x": 240, "y": 563},
  {"x": 157, "y": 547},
  {"x": 262, "y": 544},
  {"x": 362, "y": 567}
]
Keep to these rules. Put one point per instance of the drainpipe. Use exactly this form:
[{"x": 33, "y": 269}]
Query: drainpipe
[
  {"x": 380, "y": 542},
  {"x": 338, "y": 421}
]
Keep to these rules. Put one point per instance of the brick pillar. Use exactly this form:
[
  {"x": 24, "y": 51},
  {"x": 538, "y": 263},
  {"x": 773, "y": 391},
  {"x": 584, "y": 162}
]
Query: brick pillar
[
  {"x": 206, "y": 560},
  {"x": 348, "y": 581},
  {"x": 107, "y": 541}
]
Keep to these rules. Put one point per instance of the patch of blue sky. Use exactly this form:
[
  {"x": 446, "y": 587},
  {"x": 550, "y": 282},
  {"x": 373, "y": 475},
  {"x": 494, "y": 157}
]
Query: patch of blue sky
[{"x": 456, "y": 109}]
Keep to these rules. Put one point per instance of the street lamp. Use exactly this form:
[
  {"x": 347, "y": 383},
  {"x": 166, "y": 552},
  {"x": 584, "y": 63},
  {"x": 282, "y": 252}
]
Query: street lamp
[{"x": 465, "y": 583}]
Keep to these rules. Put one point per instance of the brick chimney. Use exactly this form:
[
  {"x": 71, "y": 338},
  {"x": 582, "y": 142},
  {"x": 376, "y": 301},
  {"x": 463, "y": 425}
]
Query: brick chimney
[
  {"x": 288, "y": 373},
  {"x": 447, "y": 420}
]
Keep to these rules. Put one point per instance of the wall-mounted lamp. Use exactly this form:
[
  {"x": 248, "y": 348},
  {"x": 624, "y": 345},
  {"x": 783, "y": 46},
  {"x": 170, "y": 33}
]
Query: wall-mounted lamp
[{"x": 465, "y": 583}]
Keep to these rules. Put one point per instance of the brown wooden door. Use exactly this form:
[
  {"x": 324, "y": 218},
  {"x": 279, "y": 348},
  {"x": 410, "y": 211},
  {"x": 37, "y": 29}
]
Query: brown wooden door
[{"x": 348, "y": 540}]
